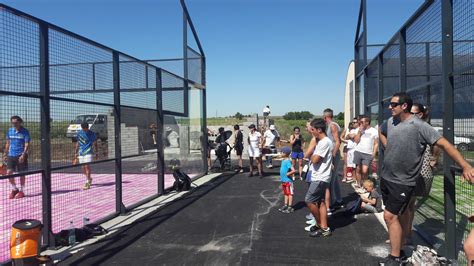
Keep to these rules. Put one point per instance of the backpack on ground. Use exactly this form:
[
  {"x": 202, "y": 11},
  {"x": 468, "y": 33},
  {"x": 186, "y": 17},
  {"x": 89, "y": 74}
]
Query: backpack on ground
[
  {"x": 182, "y": 181},
  {"x": 353, "y": 207},
  {"x": 95, "y": 229},
  {"x": 61, "y": 239}
]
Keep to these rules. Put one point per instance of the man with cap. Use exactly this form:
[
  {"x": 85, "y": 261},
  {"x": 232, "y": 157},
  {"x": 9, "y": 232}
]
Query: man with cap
[
  {"x": 255, "y": 143},
  {"x": 270, "y": 136}
]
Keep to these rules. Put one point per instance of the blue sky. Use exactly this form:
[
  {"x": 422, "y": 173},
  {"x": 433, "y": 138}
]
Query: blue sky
[{"x": 290, "y": 54}]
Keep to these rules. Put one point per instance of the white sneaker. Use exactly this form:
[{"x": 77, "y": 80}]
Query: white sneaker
[
  {"x": 308, "y": 228},
  {"x": 329, "y": 212},
  {"x": 309, "y": 216},
  {"x": 311, "y": 222}
]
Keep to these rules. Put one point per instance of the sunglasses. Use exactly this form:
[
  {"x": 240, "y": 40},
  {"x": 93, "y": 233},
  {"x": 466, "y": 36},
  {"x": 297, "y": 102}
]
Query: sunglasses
[
  {"x": 394, "y": 104},
  {"x": 415, "y": 113}
]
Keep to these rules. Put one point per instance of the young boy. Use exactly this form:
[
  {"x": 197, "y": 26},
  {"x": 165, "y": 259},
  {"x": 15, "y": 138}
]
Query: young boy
[
  {"x": 286, "y": 171},
  {"x": 320, "y": 177},
  {"x": 372, "y": 202}
]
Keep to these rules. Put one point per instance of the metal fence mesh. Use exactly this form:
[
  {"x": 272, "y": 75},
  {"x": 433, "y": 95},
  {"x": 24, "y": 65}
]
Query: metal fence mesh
[
  {"x": 372, "y": 83},
  {"x": 82, "y": 90},
  {"x": 79, "y": 70},
  {"x": 424, "y": 84},
  {"x": 19, "y": 56},
  {"x": 194, "y": 66},
  {"x": 173, "y": 93}
]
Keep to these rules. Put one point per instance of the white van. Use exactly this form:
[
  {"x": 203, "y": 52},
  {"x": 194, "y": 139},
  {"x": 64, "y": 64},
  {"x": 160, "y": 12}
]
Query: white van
[{"x": 97, "y": 124}]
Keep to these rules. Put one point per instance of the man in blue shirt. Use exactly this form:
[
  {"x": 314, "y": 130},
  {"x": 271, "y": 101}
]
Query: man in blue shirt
[
  {"x": 16, "y": 154},
  {"x": 86, "y": 139}
]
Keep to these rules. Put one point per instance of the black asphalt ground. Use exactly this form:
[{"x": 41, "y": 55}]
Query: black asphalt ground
[{"x": 233, "y": 220}]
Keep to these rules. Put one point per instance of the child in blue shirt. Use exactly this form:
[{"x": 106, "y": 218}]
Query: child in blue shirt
[{"x": 286, "y": 172}]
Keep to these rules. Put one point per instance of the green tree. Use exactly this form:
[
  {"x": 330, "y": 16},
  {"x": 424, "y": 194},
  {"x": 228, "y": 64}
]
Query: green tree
[
  {"x": 239, "y": 116},
  {"x": 339, "y": 116},
  {"x": 304, "y": 115}
]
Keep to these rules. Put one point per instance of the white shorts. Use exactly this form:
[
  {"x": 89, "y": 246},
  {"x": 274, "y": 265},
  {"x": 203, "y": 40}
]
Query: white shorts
[
  {"x": 85, "y": 159},
  {"x": 254, "y": 152},
  {"x": 350, "y": 158}
]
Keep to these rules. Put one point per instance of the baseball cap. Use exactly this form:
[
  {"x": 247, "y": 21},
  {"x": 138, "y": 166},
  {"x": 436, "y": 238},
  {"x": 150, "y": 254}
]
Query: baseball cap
[
  {"x": 252, "y": 126},
  {"x": 286, "y": 150},
  {"x": 272, "y": 127}
]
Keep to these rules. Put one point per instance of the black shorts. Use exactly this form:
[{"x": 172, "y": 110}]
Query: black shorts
[
  {"x": 239, "y": 150},
  {"x": 13, "y": 164},
  {"x": 395, "y": 196}
]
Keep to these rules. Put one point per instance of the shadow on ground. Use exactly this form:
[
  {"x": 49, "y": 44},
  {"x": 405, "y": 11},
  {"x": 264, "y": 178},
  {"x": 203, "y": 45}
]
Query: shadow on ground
[{"x": 234, "y": 220}]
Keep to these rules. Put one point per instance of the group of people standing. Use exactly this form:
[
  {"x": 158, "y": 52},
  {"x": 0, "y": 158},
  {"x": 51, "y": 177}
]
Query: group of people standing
[
  {"x": 258, "y": 145},
  {"x": 410, "y": 149}
]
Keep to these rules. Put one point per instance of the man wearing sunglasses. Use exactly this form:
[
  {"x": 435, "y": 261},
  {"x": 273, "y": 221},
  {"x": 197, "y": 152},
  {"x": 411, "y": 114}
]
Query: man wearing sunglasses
[
  {"x": 16, "y": 154},
  {"x": 405, "y": 137}
]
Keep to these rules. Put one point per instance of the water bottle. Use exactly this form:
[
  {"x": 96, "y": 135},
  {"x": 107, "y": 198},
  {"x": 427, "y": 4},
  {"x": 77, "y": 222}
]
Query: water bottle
[
  {"x": 85, "y": 221},
  {"x": 72, "y": 234}
]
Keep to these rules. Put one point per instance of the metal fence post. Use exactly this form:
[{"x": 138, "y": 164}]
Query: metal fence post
[
  {"x": 364, "y": 18},
  {"x": 93, "y": 77},
  {"x": 204, "y": 132},
  {"x": 160, "y": 133},
  {"x": 119, "y": 207},
  {"x": 185, "y": 67},
  {"x": 448, "y": 125},
  {"x": 403, "y": 59},
  {"x": 204, "y": 116},
  {"x": 366, "y": 110},
  {"x": 380, "y": 107},
  {"x": 428, "y": 73},
  {"x": 356, "y": 96},
  {"x": 48, "y": 238}
]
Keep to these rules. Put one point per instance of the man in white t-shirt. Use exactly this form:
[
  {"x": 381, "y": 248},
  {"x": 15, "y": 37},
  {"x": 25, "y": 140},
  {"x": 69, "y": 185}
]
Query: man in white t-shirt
[
  {"x": 270, "y": 136},
  {"x": 266, "y": 111},
  {"x": 320, "y": 177},
  {"x": 367, "y": 145}
]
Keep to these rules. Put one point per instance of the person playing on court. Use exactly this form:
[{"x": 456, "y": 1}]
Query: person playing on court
[
  {"x": 297, "y": 145},
  {"x": 86, "y": 139},
  {"x": 16, "y": 155}
]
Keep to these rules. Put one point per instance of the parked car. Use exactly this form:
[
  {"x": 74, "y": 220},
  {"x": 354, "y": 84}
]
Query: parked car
[
  {"x": 97, "y": 124},
  {"x": 461, "y": 143}
]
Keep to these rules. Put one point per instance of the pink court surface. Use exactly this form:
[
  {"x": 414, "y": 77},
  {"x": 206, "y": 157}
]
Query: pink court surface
[{"x": 70, "y": 202}]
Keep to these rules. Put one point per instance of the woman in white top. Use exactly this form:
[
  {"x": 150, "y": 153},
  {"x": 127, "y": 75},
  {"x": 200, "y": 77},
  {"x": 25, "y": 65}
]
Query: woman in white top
[
  {"x": 255, "y": 144},
  {"x": 349, "y": 148}
]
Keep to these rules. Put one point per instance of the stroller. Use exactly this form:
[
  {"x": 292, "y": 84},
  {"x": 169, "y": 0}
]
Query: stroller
[{"x": 223, "y": 151}]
